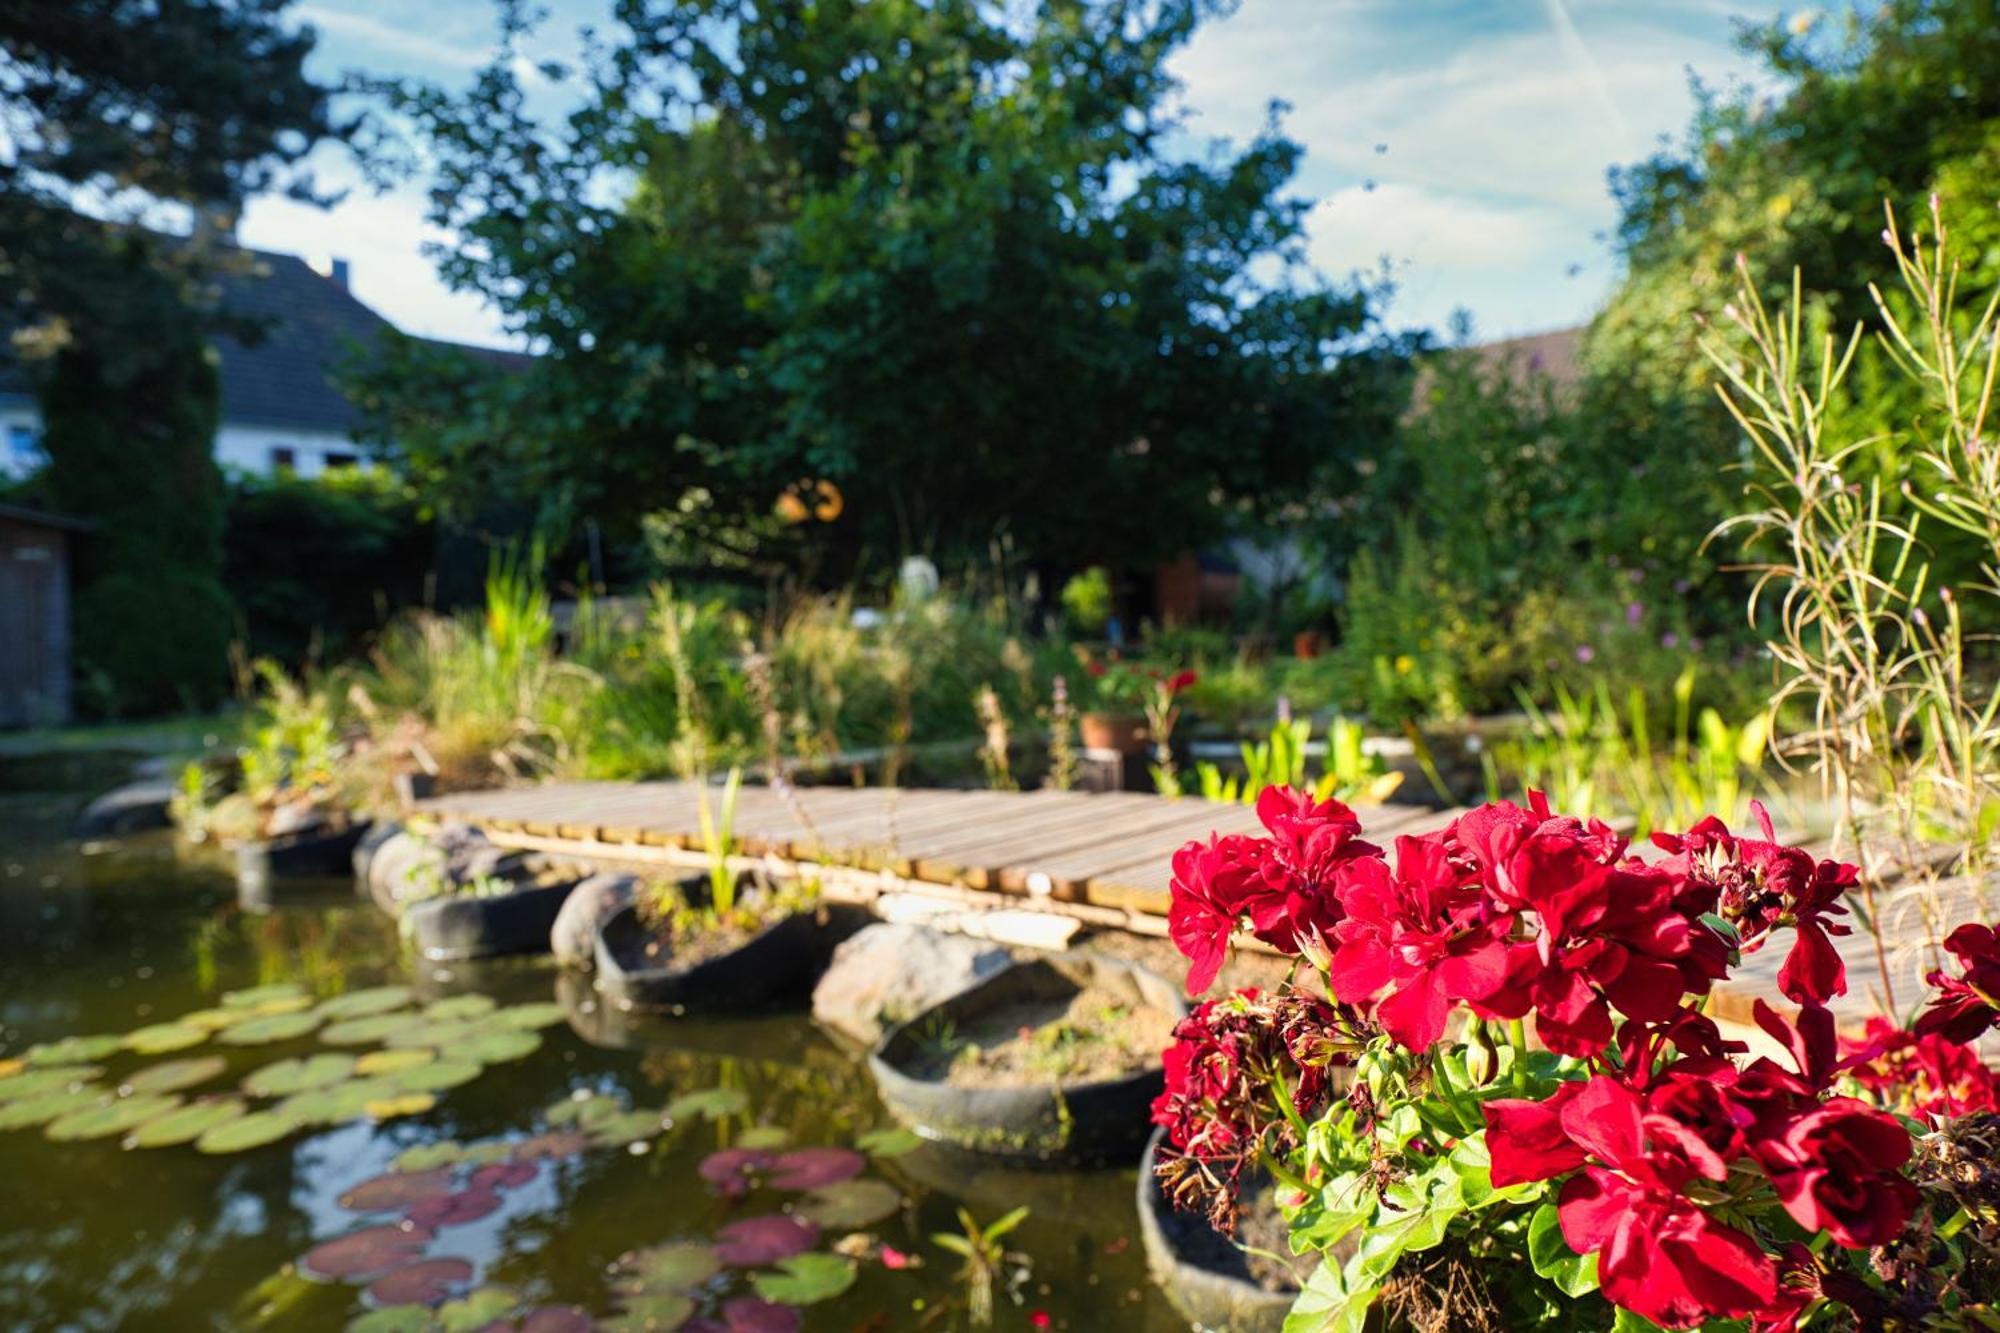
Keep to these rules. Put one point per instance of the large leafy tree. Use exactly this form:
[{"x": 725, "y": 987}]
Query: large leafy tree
[
  {"x": 122, "y": 117},
  {"x": 935, "y": 254}
]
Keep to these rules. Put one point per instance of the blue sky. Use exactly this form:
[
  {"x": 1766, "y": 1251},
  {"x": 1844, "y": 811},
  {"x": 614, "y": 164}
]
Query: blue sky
[{"x": 1464, "y": 141}]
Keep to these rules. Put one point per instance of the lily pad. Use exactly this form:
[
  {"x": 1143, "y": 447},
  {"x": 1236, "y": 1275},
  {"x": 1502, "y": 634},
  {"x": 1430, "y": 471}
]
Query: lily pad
[
  {"x": 732, "y": 1171},
  {"x": 272, "y": 1027},
  {"x": 159, "y": 1038},
  {"x": 250, "y": 1131},
  {"x": 851, "y": 1203},
  {"x": 498, "y": 1045},
  {"x": 545, "y": 1014},
  {"x": 399, "y": 1105},
  {"x": 174, "y": 1075},
  {"x": 436, "y": 1076},
  {"x": 889, "y": 1142},
  {"x": 282, "y": 1004},
  {"x": 460, "y": 1006},
  {"x": 397, "y": 1190},
  {"x": 747, "y": 1314},
  {"x": 365, "y": 1254},
  {"x": 757, "y": 1241},
  {"x": 556, "y": 1143},
  {"x": 813, "y": 1168},
  {"x": 450, "y": 1210},
  {"x": 675, "y": 1267},
  {"x": 625, "y": 1127},
  {"x": 449, "y": 1035},
  {"x": 763, "y": 1137},
  {"x": 427, "y": 1155},
  {"x": 40, "y": 1082},
  {"x": 556, "y": 1319},
  {"x": 252, "y": 996},
  {"x": 101, "y": 1122},
  {"x": 710, "y": 1103},
  {"x": 47, "y": 1106},
  {"x": 338, "y": 1104},
  {"x": 361, "y": 1003},
  {"x": 188, "y": 1123},
  {"x": 72, "y": 1051},
  {"x": 655, "y": 1309},
  {"x": 392, "y": 1319},
  {"x": 503, "y": 1175},
  {"x": 394, "y": 1062},
  {"x": 477, "y": 1310},
  {"x": 299, "y": 1074},
  {"x": 428, "y": 1282},
  {"x": 582, "y": 1110},
  {"x": 213, "y": 1020},
  {"x": 805, "y": 1279},
  {"x": 369, "y": 1030}
]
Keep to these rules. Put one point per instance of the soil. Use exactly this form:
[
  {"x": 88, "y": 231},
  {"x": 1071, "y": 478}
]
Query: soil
[
  {"x": 1261, "y": 1252},
  {"x": 1095, "y": 1035}
]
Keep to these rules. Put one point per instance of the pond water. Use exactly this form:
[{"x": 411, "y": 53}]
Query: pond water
[{"x": 109, "y": 939}]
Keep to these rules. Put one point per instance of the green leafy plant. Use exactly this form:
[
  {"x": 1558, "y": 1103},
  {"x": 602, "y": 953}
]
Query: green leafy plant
[
  {"x": 1086, "y": 600},
  {"x": 988, "y": 1263},
  {"x": 1349, "y": 773}
]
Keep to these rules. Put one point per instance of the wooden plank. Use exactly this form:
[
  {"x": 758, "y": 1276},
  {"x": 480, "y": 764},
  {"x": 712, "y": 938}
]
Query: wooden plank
[{"x": 987, "y": 861}]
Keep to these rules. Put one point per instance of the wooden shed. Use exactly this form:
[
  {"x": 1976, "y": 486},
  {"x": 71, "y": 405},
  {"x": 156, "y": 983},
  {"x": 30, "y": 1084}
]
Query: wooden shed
[{"x": 34, "y": 616}]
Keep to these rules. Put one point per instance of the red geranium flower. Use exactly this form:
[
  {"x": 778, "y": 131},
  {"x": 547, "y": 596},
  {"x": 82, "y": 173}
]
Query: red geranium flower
[
  {"x": 1216, "y": 885},
  {"x": 1837, "y": 1169},
  {"x": 1922, "y": 1075},
  {"x": 1968, "y": 1004},
  {"x": 1660, "y": 1256}
]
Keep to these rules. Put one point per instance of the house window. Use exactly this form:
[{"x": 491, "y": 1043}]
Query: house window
[
  {"x": 284, "y": 458},
  {"x": 340, "y": 460},
  {"x": 24, "y": 450}
]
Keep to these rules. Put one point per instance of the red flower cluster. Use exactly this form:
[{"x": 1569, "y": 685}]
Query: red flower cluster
[
  {"x": 1967, "y": 1005},
  {"x": 1921, "y": 1074}
]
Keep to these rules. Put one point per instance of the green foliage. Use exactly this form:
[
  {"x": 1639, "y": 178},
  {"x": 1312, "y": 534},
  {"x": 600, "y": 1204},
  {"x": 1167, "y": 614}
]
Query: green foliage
[
  {"x": 1086, "y": 600},
  {"x": 934, "y": 255},
  {"x": 1348, "y": 772}
]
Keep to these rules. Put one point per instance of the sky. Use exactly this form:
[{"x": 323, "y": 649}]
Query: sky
[{"x": 1464, "y": 143}]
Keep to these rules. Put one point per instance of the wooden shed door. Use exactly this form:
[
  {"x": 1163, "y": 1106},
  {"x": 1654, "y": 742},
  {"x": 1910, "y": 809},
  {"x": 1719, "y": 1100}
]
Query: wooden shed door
[{"x": 28, "y": 606}]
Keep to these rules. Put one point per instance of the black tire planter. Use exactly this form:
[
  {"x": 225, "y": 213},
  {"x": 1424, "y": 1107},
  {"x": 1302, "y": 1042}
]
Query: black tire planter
[
  {"x": 778, "y": 964},
  {"x": 317, "y": 855},
  {"x": 455, "y": 928},
  {"x": 1208, "y": 1281},
  {"x": 1080, "y": 1123},
  {"x": 371, "y": 842}
]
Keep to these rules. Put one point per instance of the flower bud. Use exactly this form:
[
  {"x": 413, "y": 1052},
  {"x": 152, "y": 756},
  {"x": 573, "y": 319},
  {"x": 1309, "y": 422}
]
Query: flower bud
[{"x": 1482, "y": 1058}]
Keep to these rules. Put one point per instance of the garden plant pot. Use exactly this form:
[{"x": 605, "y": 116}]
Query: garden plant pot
[
  {"x": 1203, "y": 1274},
  {"x": 1052, "y": 1122},
  {"x": 456, "y": 927},
  {"x": 1306, "y": 644},
  {"x": 1123, "y": 732},
  {"x": 781, "y": 962},
  {"x": 315, "y": 855}
]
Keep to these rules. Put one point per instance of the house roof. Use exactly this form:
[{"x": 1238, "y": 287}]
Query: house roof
[
  {"x": 42, "y": 518},
  {"x": 311, "y": 326},
  {"x": 1556, "y": 354}
]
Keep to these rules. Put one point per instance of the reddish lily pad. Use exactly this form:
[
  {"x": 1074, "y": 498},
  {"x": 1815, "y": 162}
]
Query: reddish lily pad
[
  {"x": 502, "y": 1176},
  {"x": 556, "y": 1143},
  {"x": 756, "y": 1241},
  {"x": 397, "y": 1190},
  {"x": 747, "y": 1314},
  {"x": 450, "y": 1210},
  {"x": 556, "y": 1319},
  {"x": 427, "y": 1282},
  {"x": 733, "y": 1170},
  {"x": 815, "y": 1168},
  {"x": 365, "y": 1254}
]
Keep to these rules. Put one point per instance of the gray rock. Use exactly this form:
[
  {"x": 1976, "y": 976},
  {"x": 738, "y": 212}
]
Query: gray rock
[
  {"x": 398, "y": 867},
  {"x": 132, "y": 808},
  {"x": 573, "y": 937},
  {"x": 887, "y": 973}
]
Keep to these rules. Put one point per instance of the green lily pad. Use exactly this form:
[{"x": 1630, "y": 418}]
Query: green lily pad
[
  {"x": 676, "y": 1267},
  {"x": 805, "y": 1279},
  {"x": 101, "y": 1122},
  {"x": 72, "y": 1051},
  {"x": 498, "y": 1046},
  {"x": 426, "y": 1156},
  {"x": 392, "y": 1319},
  {"x": 460, "y": 1006},
  {"x": 625, "y": 1127},
  {"x": 582, "y": 1110},
  {"x": 361, "y": 1003},
  {"x": 888, "y": 1142},
  {"x": 338, "y": 1104},
  {"x": 40, "y": 1082},
  {"x": 250, "y": 1131},
  {"x": 270, "y": 1028},
  {"x": 252, "y": 996},
  {"x": 654, "y": 1309},
  {"x": 394, "y": 1061},
  {"x": 299, "y": 1074},
  {"x": 174, "y": 1075},
  {"x": 40, "y": 1109},
  {"x": 187, "y": 1123},
  {"x": 368, "y": 1030},
  {"x": 763, "y": 1137},
  {"x": 851, "y": 1203},
  {"x": 399, "y": 1104},
  {"x": 476, "y": 1309},
  {"x": 160, "y": 1038},
  {"x": 213, "y": 1020},
  {"x": 281, "y": 1004},
  {"x": 525, "y": 1016},
  {"x": 436, "y": 1076},
  {"x": 710, "y": 1103}
]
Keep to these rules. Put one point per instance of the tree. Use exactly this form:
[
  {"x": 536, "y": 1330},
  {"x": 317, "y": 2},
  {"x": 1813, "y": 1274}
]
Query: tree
[
  {"x": 119, "y": 114},
  {"x": 935, "y": 259}
]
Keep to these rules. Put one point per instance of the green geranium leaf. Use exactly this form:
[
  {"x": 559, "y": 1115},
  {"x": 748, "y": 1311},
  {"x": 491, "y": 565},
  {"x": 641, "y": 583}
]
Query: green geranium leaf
[
  {"x": 1574, "y": 1274},
  {"x": 1331, "y": 1303}
]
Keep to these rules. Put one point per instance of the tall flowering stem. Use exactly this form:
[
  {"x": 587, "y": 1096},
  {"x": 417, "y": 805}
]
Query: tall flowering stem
[{"x": 1495, "y": 1041}]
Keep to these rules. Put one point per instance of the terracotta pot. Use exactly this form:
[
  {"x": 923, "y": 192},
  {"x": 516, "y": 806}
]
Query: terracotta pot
[
  {"x": 1305, "y": 644},
  {"x": 1123, "y": 732}
]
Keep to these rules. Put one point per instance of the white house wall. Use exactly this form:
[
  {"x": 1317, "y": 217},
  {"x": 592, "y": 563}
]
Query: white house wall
[{"x": 257, "y": 449}]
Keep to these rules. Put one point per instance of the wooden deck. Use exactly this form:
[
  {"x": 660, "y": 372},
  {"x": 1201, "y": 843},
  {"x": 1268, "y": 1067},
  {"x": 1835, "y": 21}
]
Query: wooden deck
[{"x": 1107, "y": 854}]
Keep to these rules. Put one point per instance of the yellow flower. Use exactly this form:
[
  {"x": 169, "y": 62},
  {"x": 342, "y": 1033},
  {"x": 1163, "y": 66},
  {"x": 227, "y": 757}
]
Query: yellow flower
[{"x": 1405, "y": 664}]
